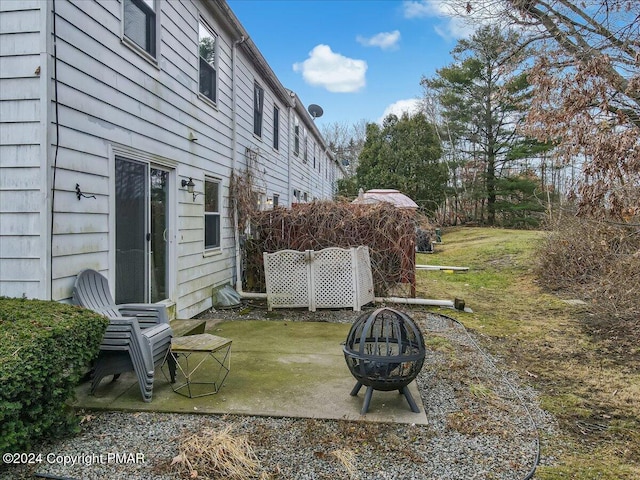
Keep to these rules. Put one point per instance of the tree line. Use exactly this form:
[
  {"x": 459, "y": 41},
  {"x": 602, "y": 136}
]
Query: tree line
[{"x": 539, "y": 109}]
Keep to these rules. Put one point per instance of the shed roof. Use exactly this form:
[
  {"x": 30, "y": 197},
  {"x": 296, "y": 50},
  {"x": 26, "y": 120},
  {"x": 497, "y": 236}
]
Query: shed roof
[{"x": 394, "y": 197}]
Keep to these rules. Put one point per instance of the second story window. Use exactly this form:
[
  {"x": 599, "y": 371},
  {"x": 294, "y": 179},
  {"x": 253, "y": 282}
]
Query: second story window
[
  {"x": 208, "y": 59},
  {"x": 258, "y": 103},
  {"x": 140, "y": 24},
  {"x": 305, "y": 154},
  {"x": 276, "y": 127},
  {"x": 296, "y": 137}
]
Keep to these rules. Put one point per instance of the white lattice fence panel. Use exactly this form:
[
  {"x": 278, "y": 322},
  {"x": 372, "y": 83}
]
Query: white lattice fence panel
[
  {"x": 329, "y": 278},
  {"x": 364, "y": 276},
  {"x": 332, "y": 279},
  {"x": 287, "y": 279}
]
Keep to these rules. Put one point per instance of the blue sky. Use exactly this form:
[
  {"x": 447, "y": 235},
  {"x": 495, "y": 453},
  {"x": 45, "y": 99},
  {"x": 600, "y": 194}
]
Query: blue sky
[{"x": 354, "y": 58}]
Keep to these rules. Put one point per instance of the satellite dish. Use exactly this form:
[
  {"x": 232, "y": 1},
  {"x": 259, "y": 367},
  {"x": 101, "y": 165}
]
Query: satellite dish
[{"x": 315, "y": 110}]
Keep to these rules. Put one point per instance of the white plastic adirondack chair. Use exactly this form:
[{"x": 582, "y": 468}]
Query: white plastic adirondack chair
[{"x": 91, "y": 290}]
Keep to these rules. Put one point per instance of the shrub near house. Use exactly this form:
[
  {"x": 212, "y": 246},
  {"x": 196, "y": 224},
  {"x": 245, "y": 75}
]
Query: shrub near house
[{"x": 44, "y": 349}]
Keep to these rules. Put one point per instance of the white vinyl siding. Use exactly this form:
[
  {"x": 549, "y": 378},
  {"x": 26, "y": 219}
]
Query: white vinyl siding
[
  {"x": 115, "y": 98},
  {"x": 24, "y": 218}
]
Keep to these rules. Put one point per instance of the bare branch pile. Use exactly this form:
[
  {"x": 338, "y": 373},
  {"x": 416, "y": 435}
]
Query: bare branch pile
[
  {"x": 389, "y": 233},
  {"x": 598, "y": 261}
]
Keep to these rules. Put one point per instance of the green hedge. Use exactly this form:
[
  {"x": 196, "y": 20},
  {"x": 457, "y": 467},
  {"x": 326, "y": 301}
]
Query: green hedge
[{"x": 44, "y": 349}]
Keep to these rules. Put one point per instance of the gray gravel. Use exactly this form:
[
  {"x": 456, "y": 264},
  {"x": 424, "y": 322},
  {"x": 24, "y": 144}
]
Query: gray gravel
[{"x": 483, "y": 424}]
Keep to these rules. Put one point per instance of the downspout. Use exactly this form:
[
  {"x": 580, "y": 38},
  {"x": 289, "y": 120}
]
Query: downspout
[
  {"x": 400, "y": 300},
  {"x": 234, "y": 146},
  {"x": 233, "y": 101},
  {"x": 416, "y": 301}
]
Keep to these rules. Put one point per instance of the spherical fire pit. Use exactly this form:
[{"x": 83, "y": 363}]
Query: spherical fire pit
[{"x": 384, "y": 351}]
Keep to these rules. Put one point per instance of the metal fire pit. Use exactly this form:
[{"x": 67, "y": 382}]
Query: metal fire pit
[{"x": 384, "y": 351}]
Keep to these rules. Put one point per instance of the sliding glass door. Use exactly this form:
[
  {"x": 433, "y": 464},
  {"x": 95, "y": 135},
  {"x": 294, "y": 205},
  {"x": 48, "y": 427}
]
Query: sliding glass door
[
  {"x": 159, "y": 254},
  {"x": 142, "y": 223}
]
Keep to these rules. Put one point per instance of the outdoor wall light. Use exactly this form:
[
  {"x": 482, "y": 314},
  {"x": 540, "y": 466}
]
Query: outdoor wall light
[
  {"x": 189, "y": 184},
  {"x": 190, "y": 187}
]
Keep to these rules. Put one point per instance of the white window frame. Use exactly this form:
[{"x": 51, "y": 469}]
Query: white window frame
[
  {"x": 276, "y": 127},
  {"x": 296, "y": 137},
  {"x": 203, "y": 24},
  {"x": 217, "y": 215},
  {"x": 258, "y": 109},
  {"x": 155, "y": 37},
  {"x": 305, "y": 154}
]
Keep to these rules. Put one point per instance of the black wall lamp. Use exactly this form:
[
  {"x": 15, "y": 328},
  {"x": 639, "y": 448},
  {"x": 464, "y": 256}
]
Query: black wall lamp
[{"x": 190, "y": 187}]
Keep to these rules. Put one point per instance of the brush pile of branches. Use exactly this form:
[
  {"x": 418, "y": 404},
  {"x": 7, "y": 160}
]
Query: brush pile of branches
[
  {"x": 388, "y": 232},
  {"x": 597, "y": 260}
]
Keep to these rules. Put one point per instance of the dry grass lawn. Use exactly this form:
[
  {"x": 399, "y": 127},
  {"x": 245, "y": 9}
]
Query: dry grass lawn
[{"x": 587, "y": 372}]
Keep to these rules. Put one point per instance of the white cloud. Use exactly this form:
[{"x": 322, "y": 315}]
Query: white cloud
[
  {"x": 454, "y": 28},
  {"x": 422, "y": 8},
  {"x": 330, "y": 70},
  {"x": 384, "y": 40},
  {"x": 453, "y": 23},
  {"x": 409, "y": 105}
]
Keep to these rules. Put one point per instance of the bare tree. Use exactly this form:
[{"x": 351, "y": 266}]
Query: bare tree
[
  {"x": 346, "y": 141},
  {"x": 586, "y": 82}
]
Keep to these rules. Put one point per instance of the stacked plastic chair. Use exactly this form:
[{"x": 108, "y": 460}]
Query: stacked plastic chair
[
  {"x": 126, "y": 348},
  {"x": 137, "y": 338}
]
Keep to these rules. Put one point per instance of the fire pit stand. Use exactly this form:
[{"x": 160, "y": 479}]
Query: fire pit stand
[{"x": 384, "y": 351}]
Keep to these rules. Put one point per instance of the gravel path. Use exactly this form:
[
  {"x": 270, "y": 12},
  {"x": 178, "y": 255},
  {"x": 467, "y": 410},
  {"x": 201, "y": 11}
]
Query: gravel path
[{"x": 482, "y": 425}]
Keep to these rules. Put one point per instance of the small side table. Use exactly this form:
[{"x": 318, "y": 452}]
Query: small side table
[{"x": 201, "y": 347}]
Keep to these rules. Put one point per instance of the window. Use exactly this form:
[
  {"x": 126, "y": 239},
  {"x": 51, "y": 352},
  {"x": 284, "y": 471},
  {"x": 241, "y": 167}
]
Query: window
[
  {"x": 305, "y": 155},
  {"x": 276, "y": 127},
  {"x": 258, "y": 103},
  {"x": 276, "y": 200},
  {"x": 140, "y": 24},
  {"x": 211, "y": 213},
  {"x": 296, "y": 137},
  {"x": 207, "y": 46},
  {"x": 296, "y": 194}
]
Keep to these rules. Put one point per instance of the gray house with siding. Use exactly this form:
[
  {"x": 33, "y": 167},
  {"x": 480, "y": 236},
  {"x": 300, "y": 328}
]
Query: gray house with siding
[{"x": 121, "y": 123}]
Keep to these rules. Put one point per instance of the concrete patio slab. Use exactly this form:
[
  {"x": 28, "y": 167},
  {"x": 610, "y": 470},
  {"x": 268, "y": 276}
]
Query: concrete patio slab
[{"x": 281, "y": 369}]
